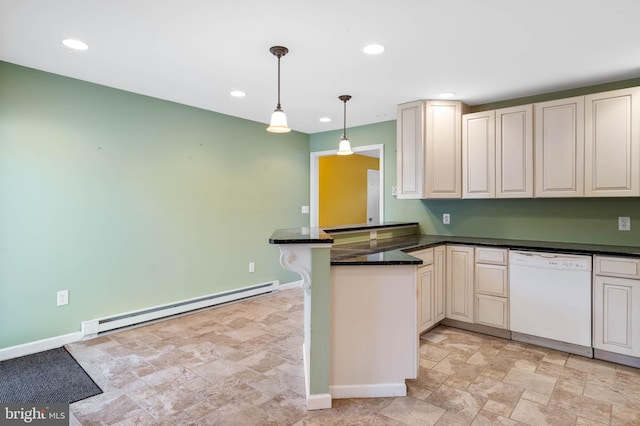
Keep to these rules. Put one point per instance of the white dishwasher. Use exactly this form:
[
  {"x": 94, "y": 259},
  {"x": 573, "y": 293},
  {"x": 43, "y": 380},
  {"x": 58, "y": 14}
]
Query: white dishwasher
[{"x": 550, "y": 300}]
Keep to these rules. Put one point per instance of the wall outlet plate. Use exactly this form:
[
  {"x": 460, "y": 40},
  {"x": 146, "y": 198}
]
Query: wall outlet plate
[
  {"x": 624, "y": 223},
  {"x": 446, "y": 218},
  {"x": 63, "y": 297}
]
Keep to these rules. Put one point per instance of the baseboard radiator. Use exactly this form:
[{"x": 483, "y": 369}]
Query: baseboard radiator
[{"x": 95, "y": 327}]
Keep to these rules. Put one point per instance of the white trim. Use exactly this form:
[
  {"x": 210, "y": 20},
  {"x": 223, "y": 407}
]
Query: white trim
[
  {"x": 320, "y": 401},
  {"x": 313, "y": 178},
  {"x": 290, "y": 286},
  {"x": 38, "y": 346},
  {"x": 368, "y": 391}
]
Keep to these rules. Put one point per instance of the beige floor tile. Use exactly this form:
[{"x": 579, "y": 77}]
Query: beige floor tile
[
  {"x": 242, "y": 364},
  {"x": 534, "y": 414},
  {"x": 487, "y": 418},
  {"x": 495, "y": 390},
  {"x": 531, "y": 381},
  {"x": 413, "y": 412},
  {"x": 456, "y": 401}
]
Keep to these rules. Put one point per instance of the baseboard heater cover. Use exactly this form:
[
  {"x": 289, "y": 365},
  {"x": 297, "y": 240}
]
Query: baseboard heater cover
[{"x": 94, "y": 327}]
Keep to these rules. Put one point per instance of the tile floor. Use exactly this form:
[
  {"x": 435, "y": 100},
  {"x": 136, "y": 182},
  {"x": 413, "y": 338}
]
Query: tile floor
[{"x": 241, "y": 364}]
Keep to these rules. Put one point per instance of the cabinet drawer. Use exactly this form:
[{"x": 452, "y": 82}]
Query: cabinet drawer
[
  {"x": 492, "y": 311},
  {"x": 425, "y": 255},
  {"x": 491, "y": 255},
  {"x": 492, "y": 280},
  {"x": 617, "y": 267}
]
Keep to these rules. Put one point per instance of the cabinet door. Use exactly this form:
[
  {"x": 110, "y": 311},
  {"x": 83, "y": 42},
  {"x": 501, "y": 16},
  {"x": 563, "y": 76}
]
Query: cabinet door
[
  {"x": 459, "y": 298},
  {"x": 443, "y": 145},
  {"x": 492, "y": 311},
  {"x": 514, "y": 152},
  {"x": 612, "y": 144},
  {"x": 478, "y": 155},
  {"x": 426, "y": 317},
  {"x": 439, "y": 270},
  {"x": 559, "y": 148},
  {"x": 617, "y": 315},
  {"x": 410, "y": 150}
]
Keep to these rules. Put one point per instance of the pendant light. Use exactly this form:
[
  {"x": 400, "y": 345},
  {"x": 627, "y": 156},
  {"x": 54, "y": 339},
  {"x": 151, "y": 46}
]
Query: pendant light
[
  {"x": 345, "y": 147},
  {"x": 278, "y": 119}
]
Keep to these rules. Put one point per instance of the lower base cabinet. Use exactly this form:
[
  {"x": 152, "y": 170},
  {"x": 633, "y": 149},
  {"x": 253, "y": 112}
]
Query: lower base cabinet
[
  {"x": 617, "y": 315},
  {"x": 430, "y": 287},
  {"x": 459, "y": 278},
  {"x": 492, "y": 287}
]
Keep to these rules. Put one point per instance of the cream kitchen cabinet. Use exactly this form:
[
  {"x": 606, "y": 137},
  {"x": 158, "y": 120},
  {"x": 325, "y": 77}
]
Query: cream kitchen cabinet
[
  {"x": 616, "y": 299},
  {"x": 459, "y": 279},
  {"x": 430, "y": 287},
  {"x": 429, "y": 149},
  {"x": 514, "y": 152},
  {"x": 612, "y": 144},
  {"x": 478, "y": 155},
  {"x": 497, "y": 153},
  {"x": 559, "y": 148},
  {"x": 491, "y": 287}
]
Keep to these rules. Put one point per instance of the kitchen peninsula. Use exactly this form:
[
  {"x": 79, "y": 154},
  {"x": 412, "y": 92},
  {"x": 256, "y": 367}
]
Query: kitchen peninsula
[{"x": 361, "y": 310}]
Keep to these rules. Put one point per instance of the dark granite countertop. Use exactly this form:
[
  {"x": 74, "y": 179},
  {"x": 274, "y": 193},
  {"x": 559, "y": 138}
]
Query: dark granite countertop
[
  {"x": 397, "y": 250},
  {"x": 300, "y": 236}
]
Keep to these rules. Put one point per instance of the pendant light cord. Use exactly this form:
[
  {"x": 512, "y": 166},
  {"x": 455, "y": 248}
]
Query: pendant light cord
[
  {"x": 278, "y": 106},
  {"x": 344, "y": 121}
]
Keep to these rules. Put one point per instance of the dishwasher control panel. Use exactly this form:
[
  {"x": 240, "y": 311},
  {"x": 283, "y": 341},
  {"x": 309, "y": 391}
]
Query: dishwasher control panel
[{"x": 550, "y": 260}]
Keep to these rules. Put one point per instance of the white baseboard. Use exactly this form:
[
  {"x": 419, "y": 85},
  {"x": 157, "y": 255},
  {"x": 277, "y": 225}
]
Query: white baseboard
[
  {"x": 368, "y": 391},
  {"x": 319, "y": 401},
  {"x": 38, "y": 346},
  {"x": 291, "y": 285}
]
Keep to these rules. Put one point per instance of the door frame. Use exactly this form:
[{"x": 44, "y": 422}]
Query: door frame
[{"x": 314, "y": 178}]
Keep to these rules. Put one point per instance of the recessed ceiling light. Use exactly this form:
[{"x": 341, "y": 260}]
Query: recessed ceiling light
[
  {"x": 74, "y": 44},
  {"x": 373, "y": 49},
  {"x": 447, "y": 95},
  {"x": 325, "y": 120},
  {"x": 238, "y": 94}
]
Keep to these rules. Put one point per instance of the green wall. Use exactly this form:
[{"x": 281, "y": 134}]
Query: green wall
[
  {"x": 129, "y": 202},
  {"x": 584, "y": 220}
]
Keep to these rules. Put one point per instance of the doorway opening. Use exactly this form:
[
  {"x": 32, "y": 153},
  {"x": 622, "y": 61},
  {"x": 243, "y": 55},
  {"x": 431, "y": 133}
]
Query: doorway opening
[{"x": 376, "y": 151}]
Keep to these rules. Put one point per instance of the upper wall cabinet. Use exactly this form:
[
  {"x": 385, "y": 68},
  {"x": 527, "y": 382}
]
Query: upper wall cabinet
[
  {"x": 612, "y": 143},
  {"x": 410, "y": 150},
  {"x": 559, "y": 148},
  {"x": 429, "y": 149},
  {"x": 514, "y": 152},
  {"x": 497, "y": 153},
  {"x": 478, "y": 155}
]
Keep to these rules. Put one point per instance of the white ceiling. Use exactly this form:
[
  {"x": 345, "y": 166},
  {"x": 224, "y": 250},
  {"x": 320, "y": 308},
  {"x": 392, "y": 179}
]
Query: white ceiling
[{"x": 196, "y": 51}]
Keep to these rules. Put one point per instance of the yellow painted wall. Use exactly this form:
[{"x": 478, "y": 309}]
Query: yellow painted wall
[{"x": 343, "y": 188}]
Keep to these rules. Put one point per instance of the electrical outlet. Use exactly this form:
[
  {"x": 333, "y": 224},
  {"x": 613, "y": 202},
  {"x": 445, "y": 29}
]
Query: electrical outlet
[
  {"x": 252, "y": 267},
  {"x": 63, "y": 297},
  {"x": 624, "y": 223},
  {"x": 304, "y": 209},
  {"x": 446, "y": 218},
  {"x": 394, "y": 191}
]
